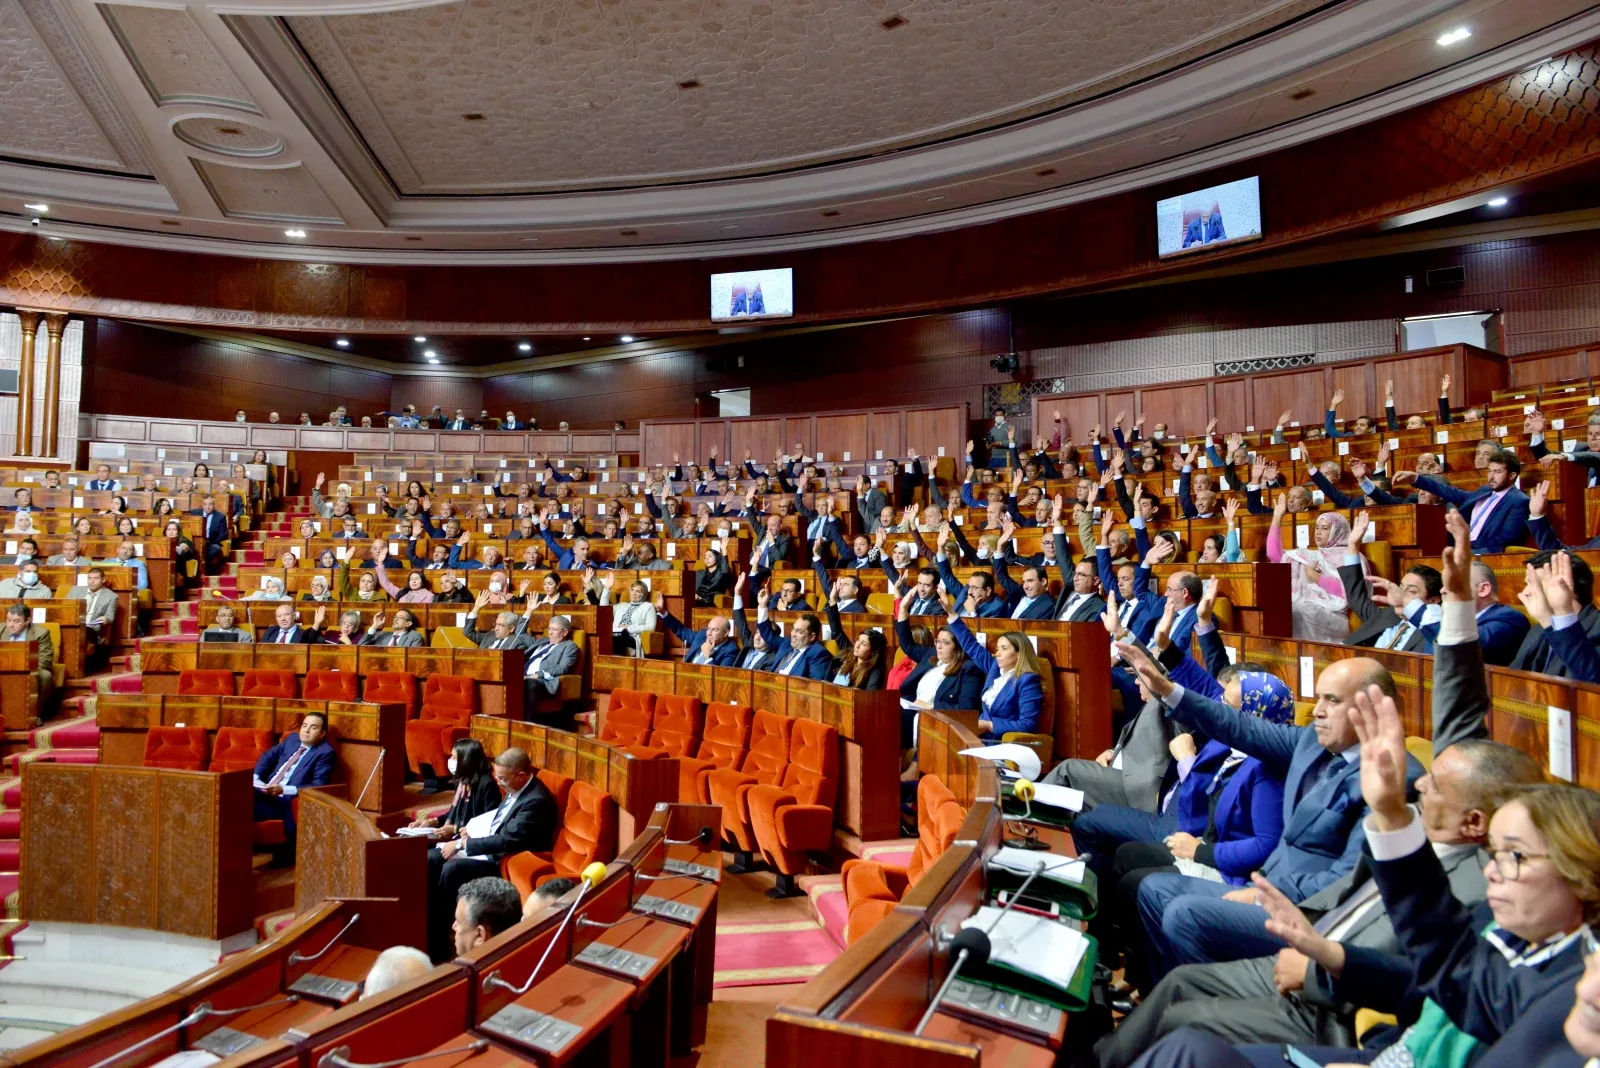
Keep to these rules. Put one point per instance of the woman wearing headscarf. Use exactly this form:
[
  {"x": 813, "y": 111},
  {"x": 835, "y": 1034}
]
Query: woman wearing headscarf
[{"x": 1320, "y": 611}]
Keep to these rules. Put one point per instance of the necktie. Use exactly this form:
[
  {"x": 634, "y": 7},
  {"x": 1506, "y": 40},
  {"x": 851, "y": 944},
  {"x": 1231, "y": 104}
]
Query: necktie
[
  {"x": 1396, "y": 636},
  {"x": 1480, "y": 514},
  {"x": 1358, "y": 896},
  {"x": 282, "y": 773},
  {"x": 1331, "y": 766},
  {"x": 788, "y": 661},
  {"x": 283, "y": 636},
  {"x": 538, "y": 660}
]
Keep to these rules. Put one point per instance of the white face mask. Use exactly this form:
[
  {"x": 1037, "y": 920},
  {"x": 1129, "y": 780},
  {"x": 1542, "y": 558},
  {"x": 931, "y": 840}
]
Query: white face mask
[
  {"x": 1159, "y": 434},
  {"x": 983, "y": 554},
  {"x": 451, "y": 764},
  {"x": 722, "y": 532},
  {"x": 495, "y": 586},
  {"x": 28, "y": 578}
]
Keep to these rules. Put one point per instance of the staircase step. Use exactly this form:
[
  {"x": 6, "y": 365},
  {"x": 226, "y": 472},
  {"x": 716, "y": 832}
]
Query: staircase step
[
  {"x": 11, "y": 853},
  {"x": 10, "y": 794},
  {"x": 81, "y": 733},
  {"x": 15, "y": 761}
]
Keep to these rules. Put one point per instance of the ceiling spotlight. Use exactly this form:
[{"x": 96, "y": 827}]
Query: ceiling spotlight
[
  {"x": 524, "y": 347},
  {"x": 343, "y": 343},
  {"x": 626, "y": 338},
  {"x": 294, "y": 233},
  {"x": 432, "y": 360},
  {"x": 1498, "y": 202},
  {"x": 430, "y": 354},
  {"x": 419, "y": 339},
  {"x": 40, "y": 208},
  {"x": 586, "y": 337},
  {"x": 1455, "y": 36}
]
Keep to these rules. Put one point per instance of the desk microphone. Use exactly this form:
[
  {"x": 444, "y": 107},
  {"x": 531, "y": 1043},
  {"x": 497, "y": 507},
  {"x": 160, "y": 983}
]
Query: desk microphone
[
  {"x": 339, "y": 1056},
  {"x": 198, "y": 1013},
  {"x": 702, "y": 839},
  {"x": 299, "y": 958},
  {"x": 588, "y": 880},
  {"x": 1024, "y": 790}
]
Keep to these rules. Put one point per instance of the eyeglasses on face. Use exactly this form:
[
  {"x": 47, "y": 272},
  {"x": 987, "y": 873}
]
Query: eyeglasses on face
[{"x": 1509, "y": 862}]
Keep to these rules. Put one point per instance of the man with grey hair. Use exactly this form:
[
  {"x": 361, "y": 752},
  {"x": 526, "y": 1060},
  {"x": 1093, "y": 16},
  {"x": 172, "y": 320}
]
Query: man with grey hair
[
  {"x": 525, "y": 820},
  {"x": 505, "y": 634},
  {"x": 395, "y": 965},
  {"x": 484, "y": 908},
  {"x": 405, "y": 634},
  {"x": 548, "y": 658}
]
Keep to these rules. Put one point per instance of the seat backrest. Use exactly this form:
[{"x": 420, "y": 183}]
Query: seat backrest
[
  {"x": 268, "y": 682},
  {"x": 933, "y": 797},
  {"x": 183, "y": 748},
  {"x": 726, "y": 734},
  {"x": 238, "y": 748},
  {"x": 560, "y": 788},
  {"x": 813, "y": 771},
  {"x": 628, "y": 717},
  {"x": 520, "y": 869},
  {"x": 676, "y": 724},
  {"x": 205, "y": 683},
  {"x": 769, "y": 747},
  {"x": 323, "y": 685},
  {"x": 449, "y": 694},
  {"x": 588, "y": 830},
  {"x": 392, "y": 687}
]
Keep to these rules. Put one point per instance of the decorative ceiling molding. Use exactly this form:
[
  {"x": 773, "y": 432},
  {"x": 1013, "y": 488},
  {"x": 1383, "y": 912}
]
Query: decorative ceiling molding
[
  {"x": 245, "y": 193},
  {"x": 42, "y": 115},
  {"x": 174, "y": 59},
  {"x": 227, "y": 137}
]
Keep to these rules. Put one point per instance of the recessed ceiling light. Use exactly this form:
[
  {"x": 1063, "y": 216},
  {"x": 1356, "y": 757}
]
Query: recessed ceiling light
[
  {"x": 430, "y": 354},
  {"x": 586, "y": 337},
  {"x": 1455, "y": 36},
  {"x": 433, "y": 361},
  {"x": 343, "y": 343},
  {"x": 524, "y": 347},
  {"x": 626, "y": 338},
  {"x": 294, "y": 233},
  {"x": 1498, "y": 202},
  {"x": 419, "y": 339},
  {"x": 40, "y": 208}
]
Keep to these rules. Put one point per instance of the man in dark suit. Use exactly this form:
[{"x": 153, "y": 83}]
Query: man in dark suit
[
  {"x": 460, "y": 422},
  {"x": 1190, "y": 920},
  {"x": 302, "y": 759},
  {"x": 213, "y": 528},
  {"x": 1497, "y": 512},
  {"x": 802, "y": 652},
  {"x": 1537, "y": 653},
  {"x": 1080, "y": 600},
  {"x": 524, "y": 821},
  {"x": 286, "y": 628},
  {"x": 1381, "y": 626},
  {"x": 102, "y": 482},
  {"x": 714, "y": 645},
  {"x": 754, "y": 653},
  {"x": 772, "y": 541},
  {"x": 1501, "y": 628}
]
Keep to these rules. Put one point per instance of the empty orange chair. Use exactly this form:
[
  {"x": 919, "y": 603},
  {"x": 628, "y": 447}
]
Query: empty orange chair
[
  {"x": 724, "y": 740},
  {"x": 183, "y": 748},
  {"x": 268, "y": 682},
  {"x": 206, "y": 683},
  {"x": 872, "y": 890},
  {"x": 448, "y": 702},
  {"x": 238, "y": 748},
  {"x": 391, "y": 688},
  {"x": 330, "y": 686},
  {"x": 628, "y": 718},
  {"x": 730, "y": 788},
  {"x": 795, "y": 817}
]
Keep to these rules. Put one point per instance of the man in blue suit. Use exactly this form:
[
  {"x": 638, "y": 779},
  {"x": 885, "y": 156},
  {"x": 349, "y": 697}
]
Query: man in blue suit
[
  {"x": 714, "y": 645},
  {"x": 1497, "y": 513},
  {"x": 802, "y": 652},
  {"x": 303, "y": 759},
  {"x": 978, "y": 589},
  {"x": 1138, "y": 606},
  {"x": 1501, "y": 629},
  {"x": 1189, "y": 920},
  {"x": 214, "y": 528}
]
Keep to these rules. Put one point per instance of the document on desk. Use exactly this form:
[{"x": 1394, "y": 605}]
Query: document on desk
[
  {"x": 1023, "y": 861},
  {"x": 416, "y": 832},
  {"x": 1026, "y": 760},
  {"x": 1058, "y": 796},
  {"x": 1034, "y": 945}
]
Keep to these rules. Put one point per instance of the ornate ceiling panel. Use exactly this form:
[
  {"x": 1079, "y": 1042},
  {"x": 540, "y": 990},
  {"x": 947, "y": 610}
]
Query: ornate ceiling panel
[
  {"x": 174, "y": 59},
  {"x": 279, "y": 194}
]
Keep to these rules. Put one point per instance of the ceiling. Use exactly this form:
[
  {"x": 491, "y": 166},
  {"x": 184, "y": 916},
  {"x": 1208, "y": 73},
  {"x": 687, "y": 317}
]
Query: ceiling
[
  {"x": 554, "y": 131},
  {"x": 454, "y": 350}
]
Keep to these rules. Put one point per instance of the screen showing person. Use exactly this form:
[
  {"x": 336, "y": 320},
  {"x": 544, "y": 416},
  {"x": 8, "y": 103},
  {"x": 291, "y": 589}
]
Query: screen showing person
[
  {"x": 752, "y": 295},
  {"x": 1209, "y": 218}
]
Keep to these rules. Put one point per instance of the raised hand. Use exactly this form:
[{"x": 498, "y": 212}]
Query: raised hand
[
  {"x": 1382, "y": 463},
  {"x": 481, "y": 600},
  {"x": 1135, "y": 656},
  {"x": 1117, "y": 422},
  {"x": 1160, "y": 549},
  {"x": 763, "y": 597},
  {"x": 1057, "y": 503},
  {"x": 1358, "y": 470},
  {"x": 1163, "y": 632},
  {"x": 1111, "y": 617},
  {"x": 522, "y": 590},
  {"x": 944, "y": 536},
  {"x": 945, "y": 600},
  {"x": 1286, "y": 921},
  {"x": 1285, "y": 419},
  {"x": 969, "y": 446},
  {"x": 464, "y": 539},
  {"x": 1385, "y": 592},
  {"x": 320, "y": 617},
  {"x": 1280, "y": 505},
  {"x": 1457, "y": 559},
  {"x": 322, "y": 479},
  {"x": 1534, "y": 423},
  {"x": 1211, "y": 428},
  {"x": 1401, "y": 478},
  {"x": 1358, "y": 532},
  {"x": 1208, "y": 597},
  {"x": 1258, "y": 468},
  {"x": 1558, "y": 586},
  {"x": 1271, "y": 473},
  {"x": 1444, "y": 386},
  {"x": 1388, "y": 393},
  {"x": 1230, "y": 509},
  {"x": 377, "y": 621},
  {"x": 1533, "y": 596},
  {"x": 416, "y": 528},
  {"x": 661, "y": 603},
  {"x": 1107, "y": 521},
  {"x": 1383, "y": 757},
  {"x": 1337, "y": 398},
  {"x": 1538, "y": 498}
]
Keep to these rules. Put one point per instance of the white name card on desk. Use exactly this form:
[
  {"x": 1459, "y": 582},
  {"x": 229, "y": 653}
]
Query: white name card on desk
[
  {"x": 878, "y": 456},
  {"x": 602, "y": 463},
  {"x": 461, "y": 619},
  {"x": 1294, "y": 454},
  {"x": 502, "y": 461},
  {"x": 83, "y": 580},
  {"x": 672, "y": 550},
  {"x": 605, "y": 476},
  {"x": 366, "y": 476},
  {"x": 205, "y": 454},
  {"x": 1529, "y": 409},
  {"x": 488, "y": 528},
  {"x": 1302, "y": 536},
  {"x": 438, "y": 476},
  {"x": 561, "y": 463},
  {"x": 532, "y": 463},
  {"x": 394, "y": 548},
  {"x": 593, "y": 489},
  {"x": 638, "y": 509},
  {"x": 819, "y": 455},
  {"x": 122, "y": 470},
  {"x": 1560, "y": 730},
  {"x": 1442, "y": 437},
  {"x": 1592, "y": 401},
  {"x": 602, "y": 509},
  {"x": 77, "y": 502},
  {"x": 341, "y": 553},
  {"x": 138, "y": 550},
  {"x": 538, "y": 476},
  {"x": 1308, "y": 676},
  {"x": 1394, "y": 443},
  {"x": 1500, "y": 431},
  {"x": 372, "y": 509},
  {"x": 455, "y": 489},
  {"x": 941, "y": 453},
  {"x": 846, "y": 457},
  {"x": 1558, "y": 424},
  {"x": 506, "y": 477},
  {"x": 1344, "y": 448},
  {"x": 161, "y": 454},
  {"x": 38, "y": 615}
]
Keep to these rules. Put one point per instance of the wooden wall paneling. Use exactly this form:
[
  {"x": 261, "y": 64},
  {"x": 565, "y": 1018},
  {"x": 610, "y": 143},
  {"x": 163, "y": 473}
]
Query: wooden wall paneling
[
  {"x": 449, "y": 392},
  {"x": 1302, "y": 392},
  {"x": 58, "y": 880},
  {"x": 762, "y": 438},
  {"x": 1079, "y": 416},
  {"x": 885, "y": 436},
  {"x": 1526, "y": 371},
  {"x": 1359, "y": 397},
  {"x": 711, "y": 434},
  {"x": 930, "y": 429},
  {"x": 1123, "y": 401},
  {"x": 800, "y": 430},
  {"x": 1230, "y": 405},
  {"x": 1416, "y": 378},
  {"x": 126, "y": 836},
  {"x": 1586, "y": 738},
  {"x": 842, "y": 437},
  {"x": 1485, "y": 373},
  {"x": 663, "y": 440},
  {"x": 203, "y": 877},
  {"x": 1183, "y": 408}
]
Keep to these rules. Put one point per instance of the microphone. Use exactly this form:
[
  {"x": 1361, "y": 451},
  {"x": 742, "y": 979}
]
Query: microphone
[
  {"x": 968, "y": 945},
  {"x": 339, "y": 1057},
  {"x": 198, "y": 1013},
  {"x": 701, "y": 839},
  {"x": 1024, "y": 790},
  {"x": 298, "y": 958},
  {"x": 587, "y": 880}
]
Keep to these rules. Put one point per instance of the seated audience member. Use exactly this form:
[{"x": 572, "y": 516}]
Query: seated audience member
[
  {"x": 976, "y": 597},
  {"x": 415, "y": 592},
  {"x": 305, "y": 758},
  {"x": 102, "y": 482},
  {"x": 321, "y": 590},
  {"x": 476, "y": 791},
  {"x": 865, "y": 664},
  {"x": 1013, "y": 694},
  {"x": 286, "y": 628},
  {"x": 1544, "y": 536},
  {"x": 69, "y": 555},
  {"x": 633, "y": 617},
  {"x": 127, "y": 556},
  {"x": 1320, "y": 610},
  {"x": 505, "y": 634},
  {"x": 213, "y": 529},
  {"x": 349, "y": 632},
  {"x": 452, "y": 590},
  {"x": 272, "y": 589},
  {"x": 525, "y": 820},
  {"x": 19, "y": 627},
  {"x": 942, "y": 679},
  {"x": 1586, "y": 454},
  {"x": 225, "y": 628},
  {"x": 801, "y": 652},
  {"x": 395, "y": 966},
  {"x": 22, "y": 502},
  {"x": 27, "y": 549},
  {"x": 21, "y": 523},
  {"x": 1191, "y": 920},
  {"x": 405, "y": 634},
  {"x": 99, "y": 609},
  {"x": 485, "y": 907},
  {"x": 713, "y": 645},
  {"x": 1410, "y": 629},
  {"x": 755, "y": 654},
  {"x": 1497, "y": 512},
  {"x": 546, "y": 900},
  {"x": 25, "y": 585},
  {"x": 1556, "y": 648},
  {"x": 550, "y": 592},
  {"x": 712, "y": 579}
]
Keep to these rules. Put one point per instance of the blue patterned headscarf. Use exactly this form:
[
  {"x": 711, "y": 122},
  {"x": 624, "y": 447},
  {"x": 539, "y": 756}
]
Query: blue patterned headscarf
[{"x": 1266, "y": 697}]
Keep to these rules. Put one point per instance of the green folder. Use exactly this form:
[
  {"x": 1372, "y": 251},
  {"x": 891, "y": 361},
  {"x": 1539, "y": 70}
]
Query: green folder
[
  {"x": 1075, "y": 998},
  {"x": 1047, "y": 815},
  {"x": 1079, "y": 901}
]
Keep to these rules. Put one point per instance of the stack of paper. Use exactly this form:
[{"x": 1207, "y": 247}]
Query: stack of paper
[
  {"x": 1035, "y": 945},
  {"x": 1023, "y": 862}
]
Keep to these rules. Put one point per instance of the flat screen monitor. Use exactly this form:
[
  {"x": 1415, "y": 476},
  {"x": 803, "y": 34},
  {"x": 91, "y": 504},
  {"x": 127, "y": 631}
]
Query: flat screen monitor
[
  {"x": 752, "y": 295},
  {"x": 1209, "y": 218}
]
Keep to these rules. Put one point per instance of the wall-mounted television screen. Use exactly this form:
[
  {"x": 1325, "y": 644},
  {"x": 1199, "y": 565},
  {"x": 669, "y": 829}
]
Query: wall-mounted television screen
[
  {"x": 752, "y": 295},
  {"x": 1209, "y": 218}
]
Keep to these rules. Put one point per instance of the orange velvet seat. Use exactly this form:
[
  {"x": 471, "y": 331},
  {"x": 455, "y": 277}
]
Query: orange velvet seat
[
  {"x": 628, "y": 718},
  {"x": 322, "y": 685},
  {"x": 183, "y": 748},
  {"x": 763, "y": 765},
  {"x": 269, "y": 682},
  {"x": 560, "y": 787},
  {"x": 391, "y": 687},
  {"x": 675, "y": 728},
  {"x": 724, "y": 741},
  {"x": 238, "y": 748},
  {"x": 448, "y": 702},
  {"x": 205, "y": 683},
  {"x": 795, "y": 817},
  {"x": 588, "y": 833},
  {"x": 872, "y": 890}
]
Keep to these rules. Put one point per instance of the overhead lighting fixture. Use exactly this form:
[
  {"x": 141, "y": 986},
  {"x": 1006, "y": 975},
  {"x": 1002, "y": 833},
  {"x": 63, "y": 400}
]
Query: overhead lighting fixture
[
  {"x": 586, "y": 337},
  {"x": 433, "y": 361},
  {"x": 1455, "y": 36},
  {"x": 343, "y": 343},
  {"x": 524, "y": 347},
  {"x": 419, "y": 339},
  {"x": 626, "y": 338},
  {"x": 294, "y": 233},
  {"x": 430, "y": 354},
  {"x": 40, "y": 208},
  {"x": 1499, "y": 202}
]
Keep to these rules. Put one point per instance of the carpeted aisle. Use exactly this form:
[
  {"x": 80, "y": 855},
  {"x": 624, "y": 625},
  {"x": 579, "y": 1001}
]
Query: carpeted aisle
[{"x": 761, "y": 942}]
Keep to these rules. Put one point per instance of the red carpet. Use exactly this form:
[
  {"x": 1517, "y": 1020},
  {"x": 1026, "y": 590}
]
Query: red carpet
[{"x": 758, "y": 954}]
